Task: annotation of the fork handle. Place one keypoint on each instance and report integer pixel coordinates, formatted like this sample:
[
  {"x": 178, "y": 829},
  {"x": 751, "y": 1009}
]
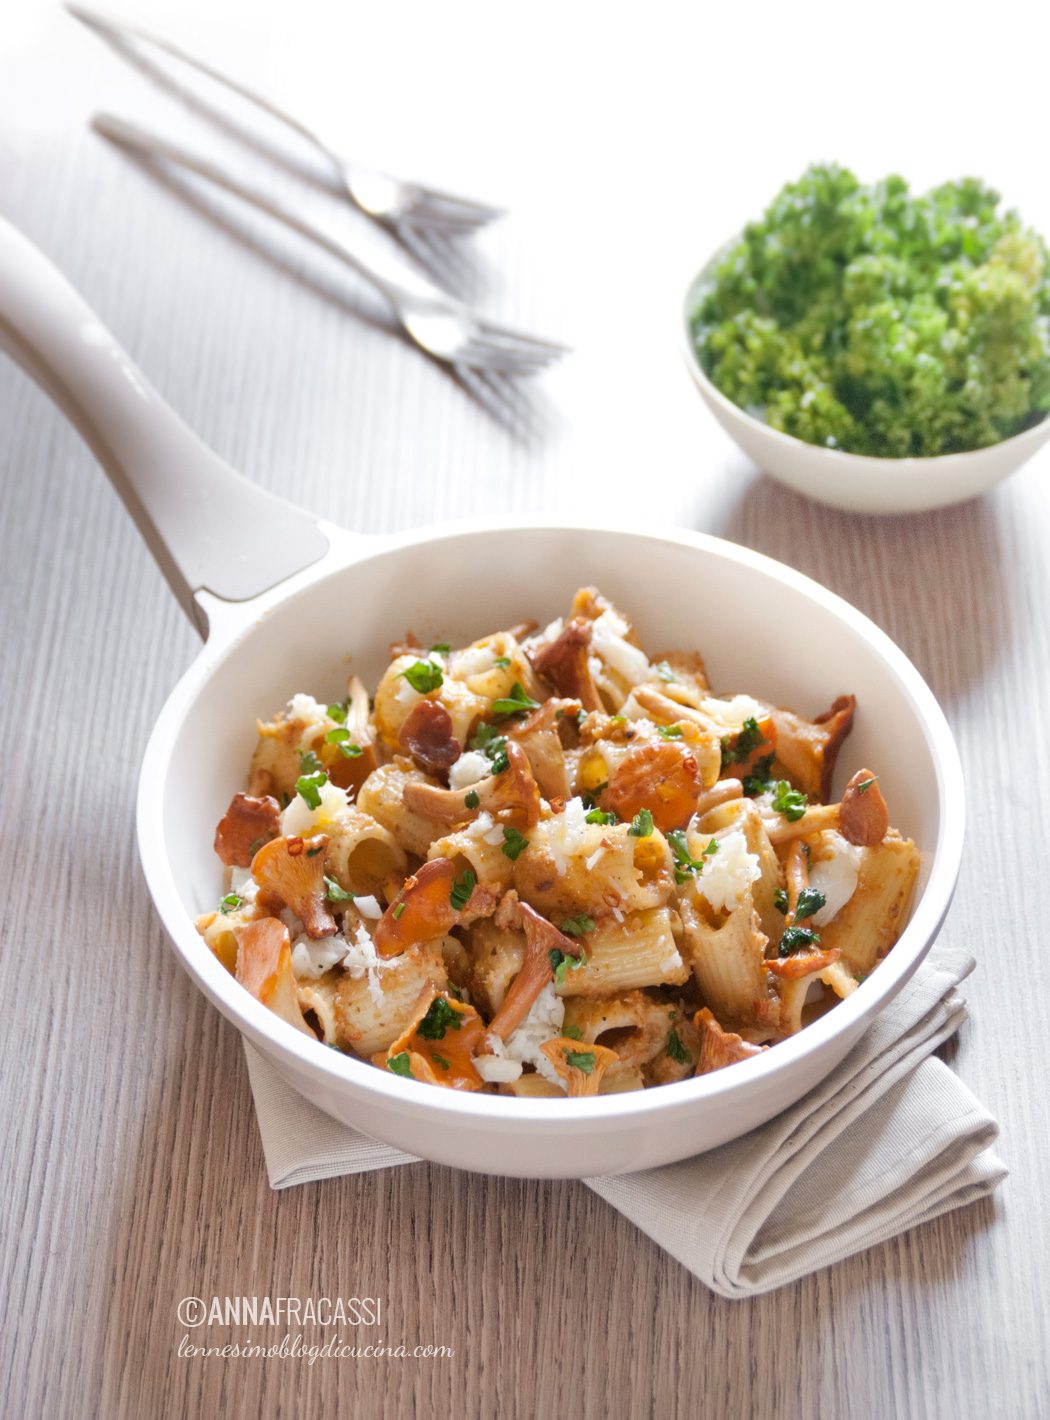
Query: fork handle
[{"x": 389, "y": 273}]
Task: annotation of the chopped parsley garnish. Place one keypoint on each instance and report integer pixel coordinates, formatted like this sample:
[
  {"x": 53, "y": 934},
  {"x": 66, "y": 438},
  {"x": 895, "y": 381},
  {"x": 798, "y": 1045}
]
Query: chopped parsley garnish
[
  {"x": 400, "y": 1064},
  {"x": 337, "y": 713},
  {"x": 686, "y": 865},
  {"x": 313, "y": 852},
  {"x": 308, "y": 787},
  {"x": 583, "y": 1060},
  {"x": 676, "y": 1050},
  {"x": 738, "y": 748},
  {"x": 758, "y": 783},
  {"x": 669, "y": 732},
  {"x": 664, "y": 671},
  {"x": 578, "y": 925},
  {"x": 780, "y": 899},
  {"x": 562, "y": 964},
  {"x": 514, "y": 843},
  {"x": 230, "y": 903},
  {"x": 399, "y": 908},
  {"x": 863, "y": 788},
  {"x": 641, "y": 824},
  {"x": 601, "y": 816},
  {"x": 462, "y": 888},
  {"x": 424, "y": 676},
  {"x": 502, "y": 662},
  {"x": 488, "y": 740},
  {"x": 439, "y": 1017},
  {"x": 341, "y": 739},
  {"x": 516, "y": 703},
  {"x": 442, "y": 648},
  {"x": 472, "y": 800},
  {"x": 617, "y": 720},
  {"x": 440, "y": 1060},
  {"x": 787, "y": 801},
  {"x": 308, "y": 762},
  {"x": 810, "y": 900},
  {"x": 335, "y": 893},
  {"x": 573, "y": 1032},
  {"x": 795, "y": 938},
  {"x": 590, "y": 797}
]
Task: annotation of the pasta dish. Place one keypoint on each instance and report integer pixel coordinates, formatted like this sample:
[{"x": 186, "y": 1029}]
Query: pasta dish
[{"x": 544, "y": 864}]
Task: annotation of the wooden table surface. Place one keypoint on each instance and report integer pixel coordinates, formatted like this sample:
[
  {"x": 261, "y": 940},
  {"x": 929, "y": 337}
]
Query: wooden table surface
[{"x": 628, "y": 144}]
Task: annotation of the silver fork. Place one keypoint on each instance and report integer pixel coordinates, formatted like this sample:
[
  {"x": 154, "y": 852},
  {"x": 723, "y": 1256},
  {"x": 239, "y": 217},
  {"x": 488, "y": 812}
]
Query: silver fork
[
  {"x": 390, "y": 200},
  {"x": 439, "y": 324}
]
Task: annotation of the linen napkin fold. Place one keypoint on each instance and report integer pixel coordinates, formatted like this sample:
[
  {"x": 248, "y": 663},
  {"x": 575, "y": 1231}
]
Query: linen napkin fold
[{"x": 890, "y": 1139}]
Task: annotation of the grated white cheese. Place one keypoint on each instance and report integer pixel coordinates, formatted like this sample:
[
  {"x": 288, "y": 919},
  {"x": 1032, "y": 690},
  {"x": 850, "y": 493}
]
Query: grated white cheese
[
  {"x": 312, "y": 959},
  {"x": 729, "y": 872},
  {"x": 311, "y": 714},
  {"x": 299, "y": 819},
  {"x": 836, "y": 877},
  {"x": 362, "y": 959},
  {"x": 608, "y": 640},
  {"x": 468, "y": 769},
  {"x": 569, "y": 835},
  {"x": 593, "y": 859},
  {"x": 243, "y": 884},
  {"x": 497, "y": 1069},
  {"x": 733, "y": 712},
  {"x": 544, "y": 1022},
  {"x": 368, "y": 907},
  {"x": 550, "y": 633},
  {"x": 474, "y": 660},
  {"x": 486, "y": 829}
]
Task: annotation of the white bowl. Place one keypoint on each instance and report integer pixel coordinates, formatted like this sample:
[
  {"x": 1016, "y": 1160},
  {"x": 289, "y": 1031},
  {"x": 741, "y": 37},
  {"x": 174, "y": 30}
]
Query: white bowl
[
  {"x": 741, "y": 609},
  {"x": 857, "y": 482}
]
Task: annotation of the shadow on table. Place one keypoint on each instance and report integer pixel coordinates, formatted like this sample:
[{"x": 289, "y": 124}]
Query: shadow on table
[{"x": 933, "y": 581}]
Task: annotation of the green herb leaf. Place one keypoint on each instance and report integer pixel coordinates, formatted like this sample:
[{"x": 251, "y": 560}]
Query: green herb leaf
[
  {"x": 398, "y": 910},
  {"x": 230, "y": 903},
  {"x": 581, "y": 1060},
  {"x": 578, "y": 925},
  {"x": 641, "y": 824},
  {"x": 400, "y": 1064},
  {"x": 309, "y": 763},
  {"x": 758, "y": 783},
  {"x": 462, "y": 887},
  {"x": 863, "y": 788},
  {"x": 664, "y": 671},
  {"x": 810, "y": 900},
  {"x": 341, "y": 739},
  {"x": 337, "y": 713},
  {"x": 440, "y": 1060},
  {"x": 424, "y": 676},
  {"x": 562, "y": 963},
  {"x": 502, "y": 662},
  {"x": 488, "y": 740},
  {"x": 787, "y": 801},
  {"x": 336, "y": 893},
  {"x": 686, "y": 865},
  {"x": 516, "y": 703},
  {"x": 472, "y": 800},
  {"x": 600, "y": 816},
  {"x": 669, "y": 732},
  {"x": 573, "y": 1032},
  {"x": 514, "y": 843},
  {"x": 443, "y": 648},
  {"x": 739, "y": 747},
  {"x": 676, "y": 1050},
  {"x": 780, "y": 899},
  {"x": 439, "y": 1018},
  {"x": 590, "y": 798},
  {"x": 795, "y": 938},
  {"x": 308, "y": 787}
]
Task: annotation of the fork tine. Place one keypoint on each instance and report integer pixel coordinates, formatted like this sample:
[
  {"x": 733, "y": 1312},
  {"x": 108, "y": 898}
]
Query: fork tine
[
  {"x": 457, "y": 209},
  {"x": 482, "y": 355},
  {"x": 519, "y": 340}
]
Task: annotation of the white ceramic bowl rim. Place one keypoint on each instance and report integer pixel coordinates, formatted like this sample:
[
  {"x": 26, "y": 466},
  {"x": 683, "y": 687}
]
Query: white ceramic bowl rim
[
  {"x": 937, "y": 465},
  {"x": 402, "y": 1095}
]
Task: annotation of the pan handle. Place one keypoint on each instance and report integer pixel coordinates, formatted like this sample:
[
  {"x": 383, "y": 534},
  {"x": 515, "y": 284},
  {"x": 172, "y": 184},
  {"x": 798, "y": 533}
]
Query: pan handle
[{"x": 208, "y": 528}]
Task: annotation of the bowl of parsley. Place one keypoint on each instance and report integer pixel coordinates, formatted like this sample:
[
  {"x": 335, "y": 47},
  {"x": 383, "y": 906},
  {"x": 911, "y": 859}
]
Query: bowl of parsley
[{"x": 878, "y": 350}]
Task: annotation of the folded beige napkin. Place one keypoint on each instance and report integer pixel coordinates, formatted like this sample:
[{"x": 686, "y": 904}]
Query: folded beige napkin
[{"x": 890, "y": 1139}]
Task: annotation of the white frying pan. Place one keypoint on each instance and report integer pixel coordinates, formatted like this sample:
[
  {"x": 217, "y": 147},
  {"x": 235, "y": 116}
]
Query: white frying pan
[{"x": 282, "y": 600}]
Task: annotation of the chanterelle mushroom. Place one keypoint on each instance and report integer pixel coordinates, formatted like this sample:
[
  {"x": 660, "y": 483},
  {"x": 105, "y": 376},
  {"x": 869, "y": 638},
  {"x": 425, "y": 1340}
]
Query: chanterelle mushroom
[
  {"x": 245, "y": 826},
  {"x": 662, "y": 776},
  {"x": 512, "y": 796},
  {"x": 290, "y": 873},
  {"x": 439, "y": 1042},
  {"x": 430, "y": 903},
  {"x": 541, "y": 938},
  {"x": 264, "y": 967},
  {"x": 863, "y": 815},
  {"x": 565, "y": 663},
  {"x": 580, "y": 1064},
  {"x": 719, "y": 1047}
]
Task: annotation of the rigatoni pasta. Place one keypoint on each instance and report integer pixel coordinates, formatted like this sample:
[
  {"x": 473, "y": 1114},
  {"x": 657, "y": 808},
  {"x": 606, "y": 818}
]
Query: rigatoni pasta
[{"x": 547, "y": 863}]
